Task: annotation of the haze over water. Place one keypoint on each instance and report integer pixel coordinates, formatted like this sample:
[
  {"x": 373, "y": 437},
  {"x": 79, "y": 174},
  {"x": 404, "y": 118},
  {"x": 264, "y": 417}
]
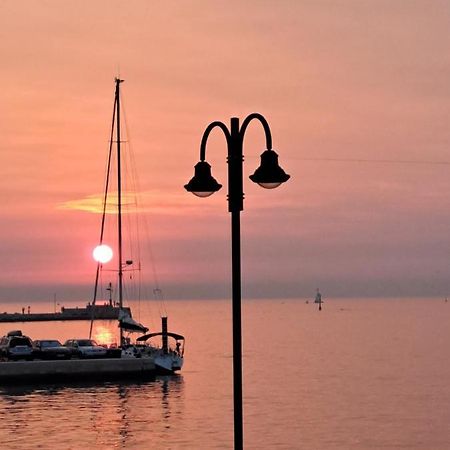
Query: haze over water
[{"x": 360, "y": 374}]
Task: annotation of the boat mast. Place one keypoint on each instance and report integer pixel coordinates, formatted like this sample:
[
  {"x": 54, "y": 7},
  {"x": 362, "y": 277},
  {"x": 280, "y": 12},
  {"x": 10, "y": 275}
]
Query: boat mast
[
  {"x": 119, "y": 200},
  {"x": 105, "y": 201}
]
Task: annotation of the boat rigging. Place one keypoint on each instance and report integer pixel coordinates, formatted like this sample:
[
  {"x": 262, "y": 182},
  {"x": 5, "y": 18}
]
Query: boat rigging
[{"x": 166, "y": 358}]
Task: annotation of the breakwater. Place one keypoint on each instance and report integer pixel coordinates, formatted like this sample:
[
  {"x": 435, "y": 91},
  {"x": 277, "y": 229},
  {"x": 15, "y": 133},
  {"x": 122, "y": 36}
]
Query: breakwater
[
  {"x": 90, "y": 312},
  {"x": 76, "y": 369}
]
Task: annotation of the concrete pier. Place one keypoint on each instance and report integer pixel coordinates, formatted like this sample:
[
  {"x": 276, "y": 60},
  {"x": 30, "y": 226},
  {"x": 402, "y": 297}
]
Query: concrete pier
[
  {"x": 76, "y": 370},
  {"x": 96, "y": 312}
]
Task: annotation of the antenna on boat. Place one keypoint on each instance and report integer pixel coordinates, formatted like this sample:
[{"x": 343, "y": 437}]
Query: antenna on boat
[{"x": 110, "y": 289}]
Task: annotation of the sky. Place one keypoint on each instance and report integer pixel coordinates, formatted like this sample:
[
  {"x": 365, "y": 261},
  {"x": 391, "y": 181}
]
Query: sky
[{"x": 357, "y": 96}]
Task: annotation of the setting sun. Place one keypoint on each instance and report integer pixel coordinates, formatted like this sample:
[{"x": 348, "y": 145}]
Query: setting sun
[{"x": 102, "y": 253}]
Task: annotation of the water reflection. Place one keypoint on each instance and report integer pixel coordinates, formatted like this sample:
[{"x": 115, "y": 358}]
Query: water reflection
[{"x": 107, "y": 415}]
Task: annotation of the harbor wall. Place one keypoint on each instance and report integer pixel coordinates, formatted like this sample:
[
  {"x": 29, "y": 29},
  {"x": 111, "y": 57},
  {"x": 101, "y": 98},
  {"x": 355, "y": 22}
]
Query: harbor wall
[
  {"x": 76, "y": 370},
  {"x": 95, "y": 313}
]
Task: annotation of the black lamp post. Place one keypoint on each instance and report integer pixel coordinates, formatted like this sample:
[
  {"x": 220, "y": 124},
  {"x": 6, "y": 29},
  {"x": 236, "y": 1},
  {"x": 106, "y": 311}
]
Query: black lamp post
[{"x": 268, "y": 175}]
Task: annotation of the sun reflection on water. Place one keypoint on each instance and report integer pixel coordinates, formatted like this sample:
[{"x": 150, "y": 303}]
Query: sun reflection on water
[{"x": 104, "y": 336}]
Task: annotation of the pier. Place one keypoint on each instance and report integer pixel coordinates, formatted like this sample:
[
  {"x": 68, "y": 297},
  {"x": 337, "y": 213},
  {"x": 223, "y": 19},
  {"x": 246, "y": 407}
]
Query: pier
[
  {"x": 90, "y": 312},
  {"x": 76, "y": 369}
]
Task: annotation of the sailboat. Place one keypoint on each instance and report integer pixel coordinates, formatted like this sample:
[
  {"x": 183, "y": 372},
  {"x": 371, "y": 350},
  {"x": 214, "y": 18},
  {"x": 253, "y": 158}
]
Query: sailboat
[
  {"x": 318, "y": 299},
  {"x": 167, "y": 358}
]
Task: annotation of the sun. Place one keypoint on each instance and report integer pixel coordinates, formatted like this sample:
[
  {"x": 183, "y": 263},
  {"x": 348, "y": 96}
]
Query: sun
[{"x": 102, "y": 253}]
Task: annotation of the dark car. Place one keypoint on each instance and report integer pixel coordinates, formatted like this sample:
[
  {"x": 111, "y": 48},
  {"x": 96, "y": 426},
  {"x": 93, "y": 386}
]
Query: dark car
[
  {"x": 51, "y": 349},
  {"x": 15, "y": 346}
]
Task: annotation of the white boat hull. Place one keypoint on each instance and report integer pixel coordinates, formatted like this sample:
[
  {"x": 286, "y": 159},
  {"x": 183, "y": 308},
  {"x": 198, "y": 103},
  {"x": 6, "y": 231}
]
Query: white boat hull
[
  {"x": 164, "y": 362},
  {"x": 169, "y": 362}
]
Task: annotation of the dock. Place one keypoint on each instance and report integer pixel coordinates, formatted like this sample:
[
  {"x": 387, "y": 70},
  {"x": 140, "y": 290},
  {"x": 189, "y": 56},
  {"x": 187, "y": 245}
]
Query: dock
[
  {"x": 90, "y": 312},
  {"x": 76, "y": 370}
]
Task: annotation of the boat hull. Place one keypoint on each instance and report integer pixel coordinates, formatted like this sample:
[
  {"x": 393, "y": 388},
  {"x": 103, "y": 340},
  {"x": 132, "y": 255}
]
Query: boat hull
[
  {"x": 169, "y": 363},
  {"x": 164, "y": 362}
]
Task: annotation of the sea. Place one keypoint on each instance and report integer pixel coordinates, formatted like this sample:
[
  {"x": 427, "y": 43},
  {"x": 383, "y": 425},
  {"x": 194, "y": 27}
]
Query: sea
[{"x": 359, "y": 374}]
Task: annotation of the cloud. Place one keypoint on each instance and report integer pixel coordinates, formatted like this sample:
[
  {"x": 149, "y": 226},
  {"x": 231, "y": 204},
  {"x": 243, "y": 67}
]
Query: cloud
[
  {"x": 94, "y": 203},
  {"x": 154, "y": 202}
]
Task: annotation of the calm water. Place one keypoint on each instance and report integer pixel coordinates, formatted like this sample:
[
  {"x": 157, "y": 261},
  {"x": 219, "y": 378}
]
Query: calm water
[{"x": 360, "y": 374}]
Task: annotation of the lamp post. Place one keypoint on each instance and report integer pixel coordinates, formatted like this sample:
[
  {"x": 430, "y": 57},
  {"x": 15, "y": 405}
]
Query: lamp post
[{"x": 269, "y": 175}]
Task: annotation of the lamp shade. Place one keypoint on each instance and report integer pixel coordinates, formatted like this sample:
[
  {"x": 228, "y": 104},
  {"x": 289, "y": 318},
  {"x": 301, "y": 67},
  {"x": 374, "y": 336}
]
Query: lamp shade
[
  {"x": 202, "y": 184},
  {"x": 269, "y": 174}
]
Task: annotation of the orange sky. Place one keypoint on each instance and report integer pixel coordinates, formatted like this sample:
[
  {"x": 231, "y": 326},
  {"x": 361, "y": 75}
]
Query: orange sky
[{"x": 356, "y": 80}]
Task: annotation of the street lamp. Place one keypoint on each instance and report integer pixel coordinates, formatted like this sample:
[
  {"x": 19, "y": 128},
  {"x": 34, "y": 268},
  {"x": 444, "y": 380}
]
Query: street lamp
[{"x": 268, "y": 175}]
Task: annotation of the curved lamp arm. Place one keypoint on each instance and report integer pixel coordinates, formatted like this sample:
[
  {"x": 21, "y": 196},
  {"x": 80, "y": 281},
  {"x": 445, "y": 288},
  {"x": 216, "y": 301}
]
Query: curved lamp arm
[
  {"x": 208, "y": 130},
  {"x": 263, "y": 122}
]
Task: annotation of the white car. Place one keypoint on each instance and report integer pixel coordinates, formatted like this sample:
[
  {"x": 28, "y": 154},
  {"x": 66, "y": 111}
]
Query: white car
[
  {"x": 85, "y": 348},
  {"x": 15, "y": 346}
]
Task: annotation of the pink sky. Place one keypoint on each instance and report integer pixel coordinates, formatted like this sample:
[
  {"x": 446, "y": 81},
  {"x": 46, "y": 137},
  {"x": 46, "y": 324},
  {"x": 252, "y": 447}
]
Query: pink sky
[{"x": 356, "y": 80}]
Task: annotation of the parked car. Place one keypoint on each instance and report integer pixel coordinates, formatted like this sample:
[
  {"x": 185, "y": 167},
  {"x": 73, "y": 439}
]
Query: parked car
[
  {"x": 15, "y": 346},
  {"x": 85, "y": 348},
  {"x": 51, "y": 349}
]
